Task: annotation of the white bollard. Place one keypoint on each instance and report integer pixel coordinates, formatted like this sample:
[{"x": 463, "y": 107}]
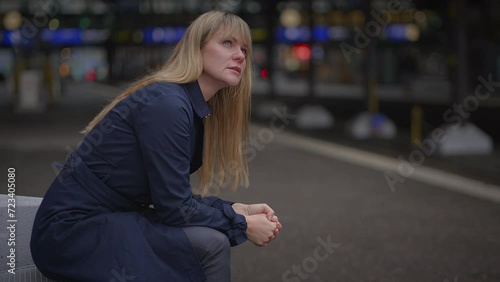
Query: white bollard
[{"x": 32, "y": 95}]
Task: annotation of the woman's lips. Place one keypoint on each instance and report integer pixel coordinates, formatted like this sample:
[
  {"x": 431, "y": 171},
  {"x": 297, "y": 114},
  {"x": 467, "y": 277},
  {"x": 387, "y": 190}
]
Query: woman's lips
[{"x": 236, "y": 69}]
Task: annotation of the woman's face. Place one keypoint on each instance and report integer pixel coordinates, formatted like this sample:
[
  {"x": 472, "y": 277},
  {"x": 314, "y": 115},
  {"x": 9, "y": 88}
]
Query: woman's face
[{"x": 224, "y": 60}]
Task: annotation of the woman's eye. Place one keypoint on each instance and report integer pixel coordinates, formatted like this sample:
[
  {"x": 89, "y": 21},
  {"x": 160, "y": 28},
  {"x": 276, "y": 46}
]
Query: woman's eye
[
  {"x": 244, "y": 51},
  {"x": 227, "y": 42}
]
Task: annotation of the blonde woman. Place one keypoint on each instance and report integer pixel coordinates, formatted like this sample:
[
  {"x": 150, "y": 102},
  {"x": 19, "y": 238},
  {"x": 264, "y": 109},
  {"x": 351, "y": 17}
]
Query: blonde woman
[{"x": 122, "y": 207}]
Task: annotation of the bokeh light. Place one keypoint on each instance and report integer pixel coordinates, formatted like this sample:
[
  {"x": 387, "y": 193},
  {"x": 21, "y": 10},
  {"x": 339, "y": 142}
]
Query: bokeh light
[
  {"x": 12, "y": 20},
  {"x": 301, "y": 52},
  {"x": 420, "y": 17},
  {"x": 90, "y": 75},
  {"x": 290, "y": 18},
  {"x": 64, "y": 70},
  {"x": 65, "y": 53},
  {"x": 264, "y": 73},
  {"x": 412, "y": 32},
  {"x": 54, "y": 24},
  {"x": 85, "y": 23},
  {"x": 138, "y": 36}
]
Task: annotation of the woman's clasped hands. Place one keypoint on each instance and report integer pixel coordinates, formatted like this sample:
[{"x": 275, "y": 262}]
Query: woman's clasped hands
[{"x": 262, "y": 224}]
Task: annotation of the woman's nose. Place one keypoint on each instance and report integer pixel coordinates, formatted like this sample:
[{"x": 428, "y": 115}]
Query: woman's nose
[{"x": 239, "y": 55}]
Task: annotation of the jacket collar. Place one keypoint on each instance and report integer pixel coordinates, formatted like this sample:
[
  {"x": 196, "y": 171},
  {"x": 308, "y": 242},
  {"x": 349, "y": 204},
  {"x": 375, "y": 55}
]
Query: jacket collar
[{"x": 197, "y": 100}]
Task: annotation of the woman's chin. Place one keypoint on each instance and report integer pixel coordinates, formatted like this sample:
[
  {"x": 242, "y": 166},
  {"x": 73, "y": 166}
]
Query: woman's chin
[{"x": 233, "y": 83}]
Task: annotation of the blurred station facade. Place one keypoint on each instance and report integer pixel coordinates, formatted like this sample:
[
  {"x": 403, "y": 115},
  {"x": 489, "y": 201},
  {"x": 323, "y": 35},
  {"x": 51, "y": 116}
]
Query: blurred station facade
[{"x": 413, "y": 64}]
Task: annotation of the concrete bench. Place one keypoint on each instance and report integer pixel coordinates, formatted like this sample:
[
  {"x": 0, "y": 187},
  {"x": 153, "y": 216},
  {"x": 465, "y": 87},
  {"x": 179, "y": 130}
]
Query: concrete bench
[{"x": 18, "y": 231}]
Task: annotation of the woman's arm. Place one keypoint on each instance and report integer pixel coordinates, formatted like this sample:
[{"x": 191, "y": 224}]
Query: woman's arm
[
  {"x": 212, "y": 201},
  {"x": 163, "y": 131}
]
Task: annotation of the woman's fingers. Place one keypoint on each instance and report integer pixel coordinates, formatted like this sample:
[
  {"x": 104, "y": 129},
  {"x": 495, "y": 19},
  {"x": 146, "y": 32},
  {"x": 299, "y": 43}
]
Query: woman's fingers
[
  {"x": 262, "y": 208},
  {"x": 278, "y": 225},
  {"x": 264, "y": 230},
  {"x": 260, "y": 230}
]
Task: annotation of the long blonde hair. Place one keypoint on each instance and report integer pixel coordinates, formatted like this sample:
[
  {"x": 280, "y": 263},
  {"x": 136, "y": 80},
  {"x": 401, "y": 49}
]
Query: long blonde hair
[{"x": 226, "y": 129}]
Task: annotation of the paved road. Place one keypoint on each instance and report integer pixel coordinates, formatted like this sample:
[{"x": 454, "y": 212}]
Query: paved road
[
  {"x": 341, "y": 221},
  {"x": 417, "y": 233}
]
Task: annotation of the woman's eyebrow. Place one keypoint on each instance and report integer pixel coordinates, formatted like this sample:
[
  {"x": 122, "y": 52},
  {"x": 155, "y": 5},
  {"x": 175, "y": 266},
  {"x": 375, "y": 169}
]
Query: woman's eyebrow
[{"x": 236, "y": 40}]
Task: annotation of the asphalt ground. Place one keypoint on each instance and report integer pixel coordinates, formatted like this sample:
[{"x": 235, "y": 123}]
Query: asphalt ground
[{"x": 342, "y": 221}]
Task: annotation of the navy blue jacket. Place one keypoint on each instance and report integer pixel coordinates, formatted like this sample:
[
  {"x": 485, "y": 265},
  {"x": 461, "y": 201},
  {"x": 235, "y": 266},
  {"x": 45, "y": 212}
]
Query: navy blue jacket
[{"x": 117, "y": 206}]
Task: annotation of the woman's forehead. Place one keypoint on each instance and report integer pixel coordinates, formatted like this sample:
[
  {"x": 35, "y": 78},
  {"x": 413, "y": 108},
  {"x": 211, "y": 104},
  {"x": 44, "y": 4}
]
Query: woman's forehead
[{"x": 232, "y": 32}]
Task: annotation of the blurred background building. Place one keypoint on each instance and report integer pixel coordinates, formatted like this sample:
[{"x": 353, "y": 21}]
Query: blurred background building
[{"x": 410, "y": 63}]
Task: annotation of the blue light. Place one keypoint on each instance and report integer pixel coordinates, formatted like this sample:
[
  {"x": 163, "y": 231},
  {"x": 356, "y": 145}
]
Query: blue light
[
  {"x": 7, "y": 38},
  {"x": 169, "y": 35},
  {"x": 299, "y": 34},
  {"x": 396, "y": 32},
  {"x": 15, "y": 39},
  {"x": 320, "y": 34},
  {"x": 338, "y": 33},
  {"x": 63, "y": 36}
]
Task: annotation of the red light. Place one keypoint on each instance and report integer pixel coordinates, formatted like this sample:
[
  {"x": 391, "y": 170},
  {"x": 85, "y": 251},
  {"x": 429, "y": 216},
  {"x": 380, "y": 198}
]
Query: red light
[
  {"x": 90, "y": 75},
  {"x": 302, "y": 52},
  {"x": 263, "y": 74}
]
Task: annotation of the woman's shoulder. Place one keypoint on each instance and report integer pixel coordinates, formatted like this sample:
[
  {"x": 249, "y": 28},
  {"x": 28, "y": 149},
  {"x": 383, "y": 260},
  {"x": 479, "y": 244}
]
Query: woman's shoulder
[
  {"x": 163, "y": 98},
  {"x": 160, "y": 90},
  {"x": 160, "y": 94}
]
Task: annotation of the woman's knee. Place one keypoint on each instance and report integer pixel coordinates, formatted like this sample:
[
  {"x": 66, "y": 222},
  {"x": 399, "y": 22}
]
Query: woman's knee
[
  {"x": 219, "y": 241},
  {"x": 208, "y": 240}
]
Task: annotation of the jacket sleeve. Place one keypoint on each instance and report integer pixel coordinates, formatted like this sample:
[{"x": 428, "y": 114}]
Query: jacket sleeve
[
  {"x": 163, "y": 130},
  {"x": 212, "y": 201}
]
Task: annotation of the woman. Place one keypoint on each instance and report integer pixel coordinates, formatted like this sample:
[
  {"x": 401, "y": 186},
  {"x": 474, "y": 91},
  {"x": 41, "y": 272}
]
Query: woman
[{"x": 122, "y": 208}]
